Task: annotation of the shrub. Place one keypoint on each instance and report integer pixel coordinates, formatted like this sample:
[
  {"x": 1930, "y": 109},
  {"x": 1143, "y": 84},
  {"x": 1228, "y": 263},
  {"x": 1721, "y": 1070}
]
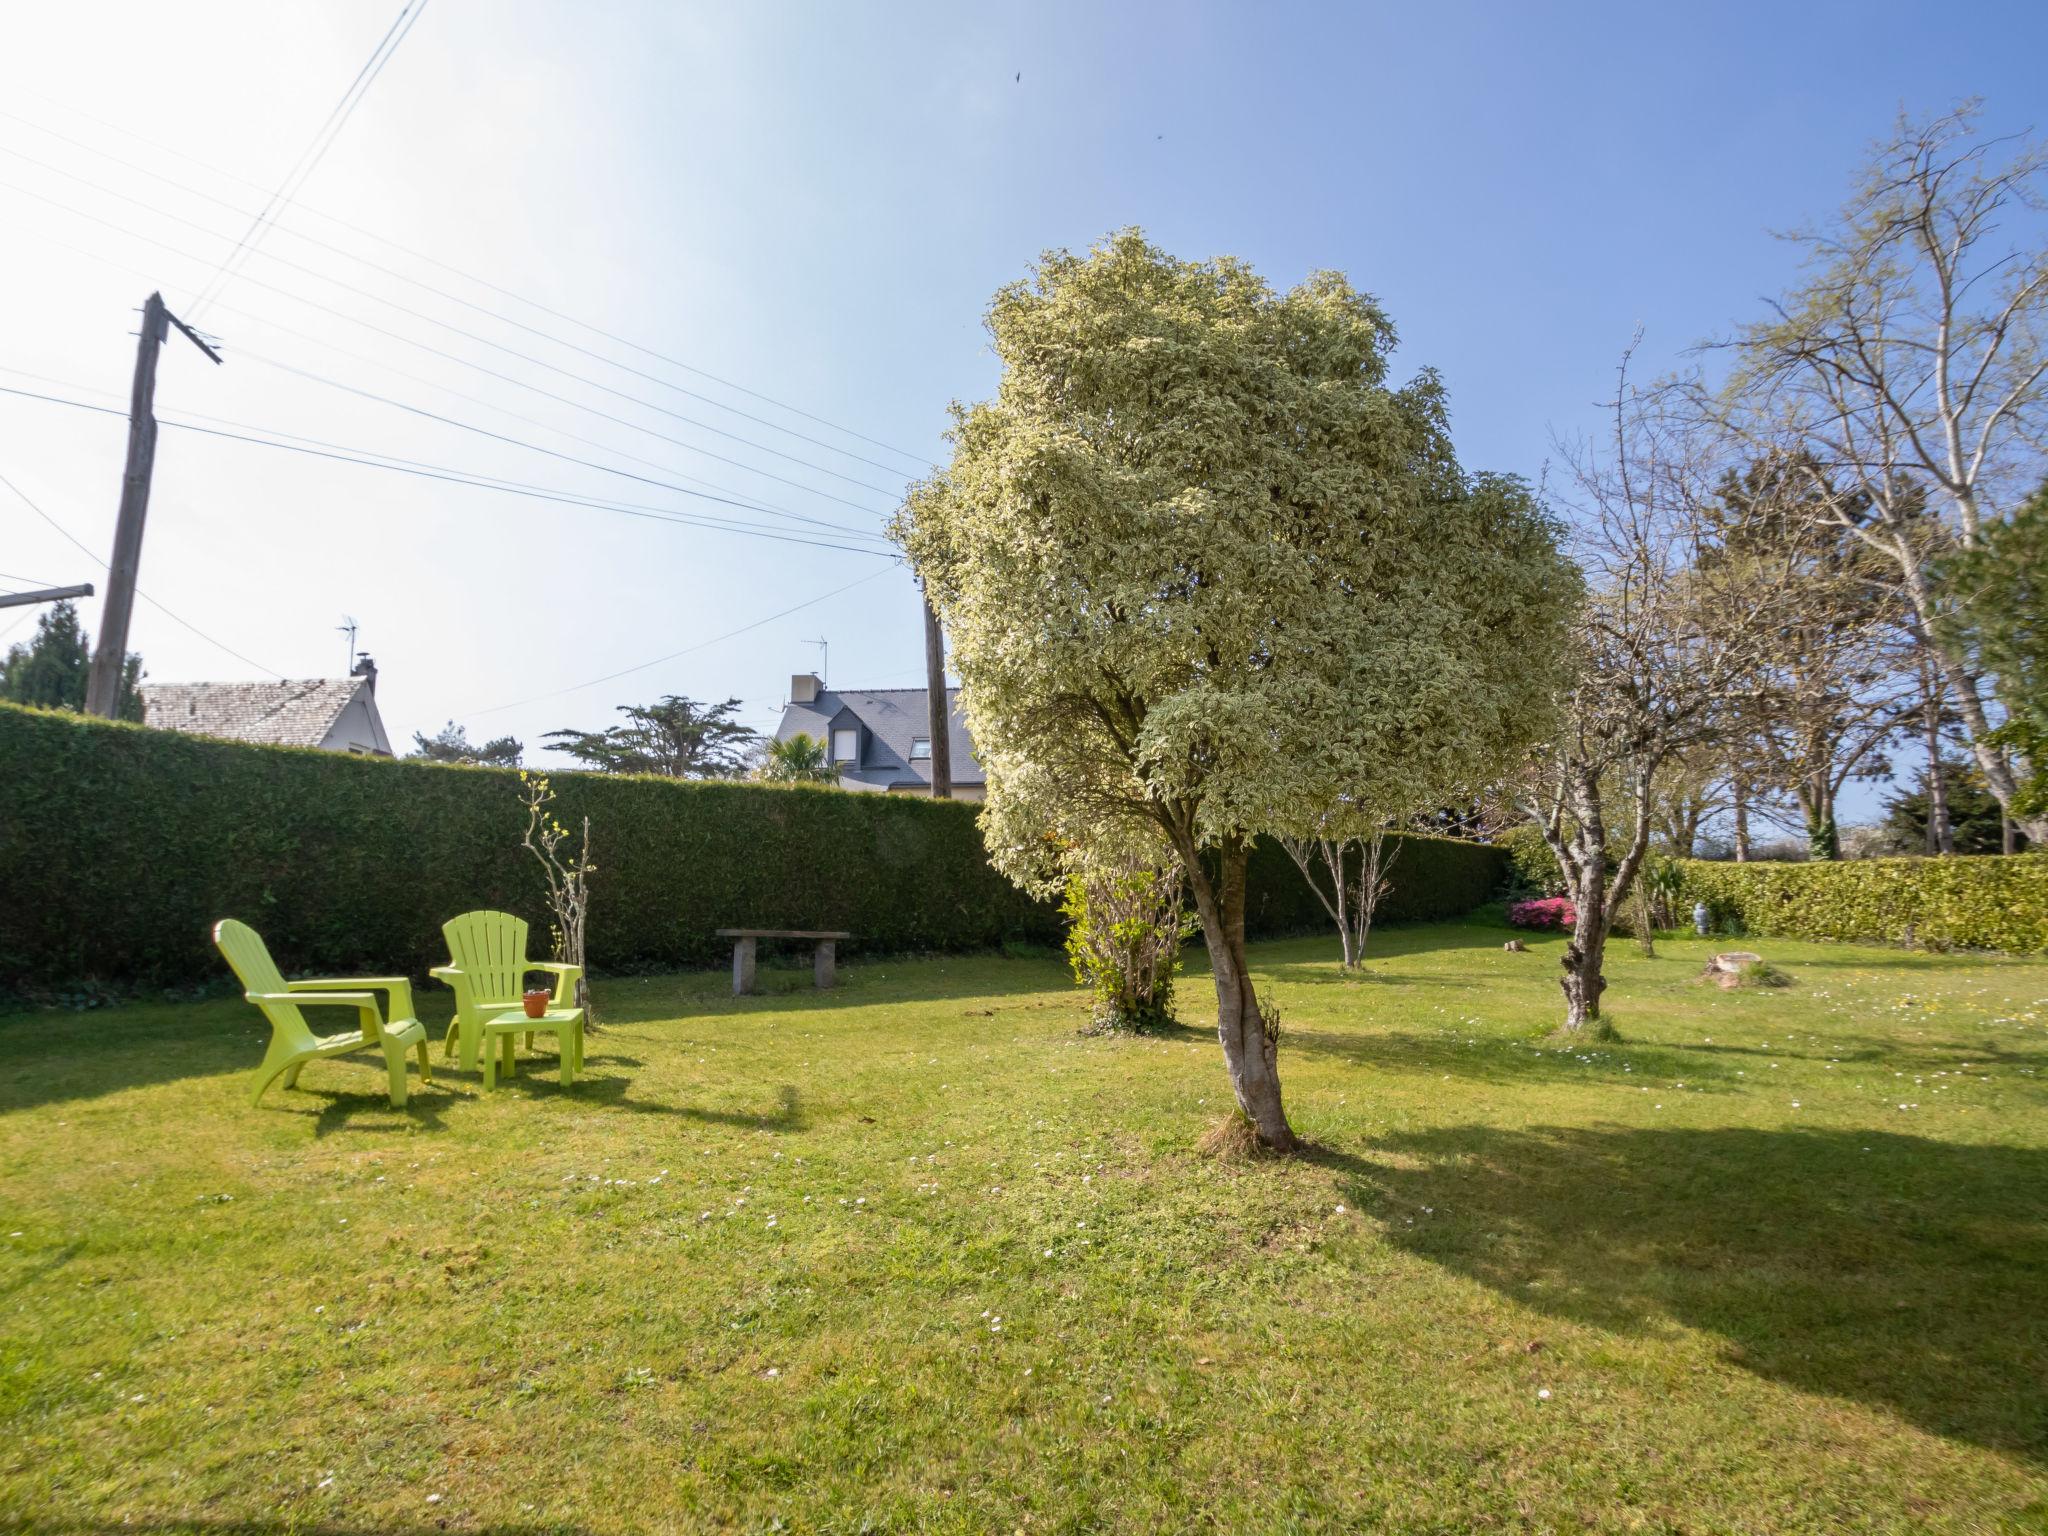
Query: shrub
[
  {"x": 1543, "y": 912},
  {"x": 1532, "y": 869},
  {"x": 1128, "y": 926},
  {"x": 1980, "y": 902}
]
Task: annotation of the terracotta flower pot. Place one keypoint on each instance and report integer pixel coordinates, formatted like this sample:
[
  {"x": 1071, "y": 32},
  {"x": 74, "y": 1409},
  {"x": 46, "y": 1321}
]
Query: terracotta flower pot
[{"x": 536, "y": 1003}]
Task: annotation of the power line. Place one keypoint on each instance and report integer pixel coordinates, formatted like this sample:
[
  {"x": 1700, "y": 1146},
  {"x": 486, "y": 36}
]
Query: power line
[
  {"x": 739, "y": 498},
  {"x": 495, "y": 346},
  {"x": 314, "y": 152},
  {"x": 29, "y": 502},
  {"x": 552, "y": 453},
  {"x": 273, "y": 437},
  {"x": 811, "y": 602},
  {"x": 378, "y": 459},
  {"x": 483, "y": 482},
  {"x": 405, "y": 250},
  {"x": 442, "y": 293}
]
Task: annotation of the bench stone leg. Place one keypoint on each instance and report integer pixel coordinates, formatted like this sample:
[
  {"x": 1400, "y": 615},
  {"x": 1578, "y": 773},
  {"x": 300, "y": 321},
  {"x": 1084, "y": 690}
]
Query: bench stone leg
[
  {"x": 823, "y": 967},
  {"x": 742, "y": 967}
]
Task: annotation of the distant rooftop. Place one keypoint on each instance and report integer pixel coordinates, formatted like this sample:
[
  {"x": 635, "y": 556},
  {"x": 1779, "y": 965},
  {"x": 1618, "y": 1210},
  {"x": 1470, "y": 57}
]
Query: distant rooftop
[{"x": 305, "y": 712}]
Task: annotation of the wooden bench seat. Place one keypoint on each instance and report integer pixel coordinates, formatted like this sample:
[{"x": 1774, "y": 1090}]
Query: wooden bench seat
[{"x": 824, "y": 953}]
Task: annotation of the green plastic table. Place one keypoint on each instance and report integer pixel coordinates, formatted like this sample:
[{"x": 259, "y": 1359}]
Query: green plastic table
[{"x": 565, "y": 1024}]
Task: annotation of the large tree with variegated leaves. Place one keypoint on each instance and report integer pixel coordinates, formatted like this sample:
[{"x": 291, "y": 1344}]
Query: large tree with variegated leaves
[{"x": 1207, "y": 575}]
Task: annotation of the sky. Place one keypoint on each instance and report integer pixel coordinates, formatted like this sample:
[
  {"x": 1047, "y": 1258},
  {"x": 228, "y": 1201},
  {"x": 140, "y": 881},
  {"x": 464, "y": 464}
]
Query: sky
[{"x": 627, "y": 252}]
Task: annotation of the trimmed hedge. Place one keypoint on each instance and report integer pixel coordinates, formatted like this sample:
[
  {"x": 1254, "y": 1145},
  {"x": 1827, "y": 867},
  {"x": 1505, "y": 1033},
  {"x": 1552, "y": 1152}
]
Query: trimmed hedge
[
  {"x": 1979, "y": 902},
  {"x": 120, "y": 847}
]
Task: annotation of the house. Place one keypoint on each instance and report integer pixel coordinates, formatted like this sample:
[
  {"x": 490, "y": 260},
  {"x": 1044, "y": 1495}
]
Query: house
[
  {"x": 335, "y": 714},
  {"x": 880, "y": 738}
]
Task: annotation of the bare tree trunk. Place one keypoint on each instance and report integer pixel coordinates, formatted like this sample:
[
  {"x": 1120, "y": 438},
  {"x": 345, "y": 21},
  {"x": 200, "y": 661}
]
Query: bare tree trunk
[
  {"x": 1250, "y": 1047},
  {"x": 1644, "y": 919},
  {"x": 1333, "y": 855},
  {"x": 1741, "y": 792},
  {"x": 1953, "y": 677},
  {"x": 1373, "y": 885},
  {"x": 1583, "y": 981},
  {"x": 1941, "y": 837}
]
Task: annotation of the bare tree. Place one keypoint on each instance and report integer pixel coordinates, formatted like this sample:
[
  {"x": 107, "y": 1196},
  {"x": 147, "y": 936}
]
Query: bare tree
[
  {"x": 567, "y": 871},
  {"x": 1830, "y": 693},
  {"x": 1669, "y": 633},
  {"x": 1911, "y": 371},
  {"x": 1358, "y": 881}
]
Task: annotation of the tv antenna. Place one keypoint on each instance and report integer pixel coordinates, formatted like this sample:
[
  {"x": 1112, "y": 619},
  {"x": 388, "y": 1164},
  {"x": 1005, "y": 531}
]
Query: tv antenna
[
  {"x": 824, "y": 660},
  {"x": 347, "y": 626}
]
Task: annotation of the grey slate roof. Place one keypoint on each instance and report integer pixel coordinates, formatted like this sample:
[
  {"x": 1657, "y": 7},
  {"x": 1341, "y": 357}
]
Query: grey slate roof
[
  {"x": 891, "y": 717},
  {"x": 291, "y": 713}
]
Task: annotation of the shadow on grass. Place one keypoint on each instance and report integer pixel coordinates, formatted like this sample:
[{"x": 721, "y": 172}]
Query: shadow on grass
[
  {"x": 1903, "y": 1273},
  {"x": 1487, "y": 1058},
  {"x": 538, "y": 1080},
  {"x": 54, "y": 1057}
]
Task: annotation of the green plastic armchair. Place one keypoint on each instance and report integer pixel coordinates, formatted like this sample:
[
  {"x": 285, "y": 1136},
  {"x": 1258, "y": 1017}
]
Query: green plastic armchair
[
  {"x": 487, "y": 967},
  {"x": 392, "y": 1029}
]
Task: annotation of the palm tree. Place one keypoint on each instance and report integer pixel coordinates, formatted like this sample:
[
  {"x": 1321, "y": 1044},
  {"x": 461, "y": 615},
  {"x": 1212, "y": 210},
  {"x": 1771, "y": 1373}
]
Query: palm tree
[{"x": 799, "y": 760}]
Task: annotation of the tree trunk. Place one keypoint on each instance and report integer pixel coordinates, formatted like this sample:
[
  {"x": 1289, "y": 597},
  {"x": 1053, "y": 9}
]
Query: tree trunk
[
  {"x": 1250, "y": 1049},
  {"x": 1582, "y": 981},
  {"x": 1334, "y": 855},
  {"x": 1823, "y": 838},
  {"x": 1953, "y": 677},
  {"x": 1940, "y": 834},
  {"x": 1741, "y": 822}
]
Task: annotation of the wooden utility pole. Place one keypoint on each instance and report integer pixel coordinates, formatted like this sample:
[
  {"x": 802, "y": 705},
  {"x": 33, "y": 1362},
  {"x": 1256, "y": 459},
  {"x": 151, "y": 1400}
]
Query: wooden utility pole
[
  {"x": 103, "y": 684},
  {"x": 941, "y": 713}
]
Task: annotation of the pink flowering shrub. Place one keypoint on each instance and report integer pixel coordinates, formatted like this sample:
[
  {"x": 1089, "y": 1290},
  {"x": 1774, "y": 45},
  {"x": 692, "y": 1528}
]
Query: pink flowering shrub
[{"x": 1544, "y": 912}]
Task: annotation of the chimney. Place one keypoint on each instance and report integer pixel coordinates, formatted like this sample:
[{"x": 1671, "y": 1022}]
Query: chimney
[
  {"x": 804, "y": 688},
  {"x": 366, "y": 669}
]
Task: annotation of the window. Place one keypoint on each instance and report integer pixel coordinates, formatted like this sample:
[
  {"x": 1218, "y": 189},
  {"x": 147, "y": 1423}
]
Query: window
[
  {"x": 846, "y": 745},
  {"x": 920, "y": 749}
]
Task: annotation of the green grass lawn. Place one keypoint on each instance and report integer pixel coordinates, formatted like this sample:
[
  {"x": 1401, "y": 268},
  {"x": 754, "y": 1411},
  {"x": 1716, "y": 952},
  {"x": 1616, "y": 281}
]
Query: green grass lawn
[{"x": 917, "y": 1256}]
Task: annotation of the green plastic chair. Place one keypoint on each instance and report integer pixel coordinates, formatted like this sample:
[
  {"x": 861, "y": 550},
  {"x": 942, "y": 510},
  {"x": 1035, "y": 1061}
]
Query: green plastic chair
[
  {"x": 487, "y": 967},
  {"x": 292, "y": 1041}
]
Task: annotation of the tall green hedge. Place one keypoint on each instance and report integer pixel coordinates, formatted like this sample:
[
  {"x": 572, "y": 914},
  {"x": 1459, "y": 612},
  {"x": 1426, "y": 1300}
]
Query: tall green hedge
[
  {"x": 1433, "y": 878},
  {"x": 120, "y": 846},
  {"x": 1981, "y": 902}
]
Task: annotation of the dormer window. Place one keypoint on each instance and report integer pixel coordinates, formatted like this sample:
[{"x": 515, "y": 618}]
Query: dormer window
[
  {"x": 846, "y": 745},
  {"x": 920, "y": 749}
]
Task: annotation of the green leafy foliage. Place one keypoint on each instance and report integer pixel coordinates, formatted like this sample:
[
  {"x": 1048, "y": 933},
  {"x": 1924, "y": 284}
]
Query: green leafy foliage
[
  {"x": 120, "y": 847},
  {"x": 1126, "y": 928},
  {"x": 452, "y": 745},
  {"x": 672, "y": 738},
  {"x": 801, "y": 759},
  {"x": 1532, "y": 869},
  {"x": 1951, "y": 903},
  {"x": 51, "y": 668},
  {"x": 1997, "y": 593},
  {"x": 1975, "y": 819}
]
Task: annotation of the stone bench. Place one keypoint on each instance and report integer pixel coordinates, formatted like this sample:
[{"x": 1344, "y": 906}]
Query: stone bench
[{"x": 824, "y": 955}]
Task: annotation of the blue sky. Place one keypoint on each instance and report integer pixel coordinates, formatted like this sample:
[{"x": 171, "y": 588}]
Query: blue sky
[{"x": 815, "y": 201}]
